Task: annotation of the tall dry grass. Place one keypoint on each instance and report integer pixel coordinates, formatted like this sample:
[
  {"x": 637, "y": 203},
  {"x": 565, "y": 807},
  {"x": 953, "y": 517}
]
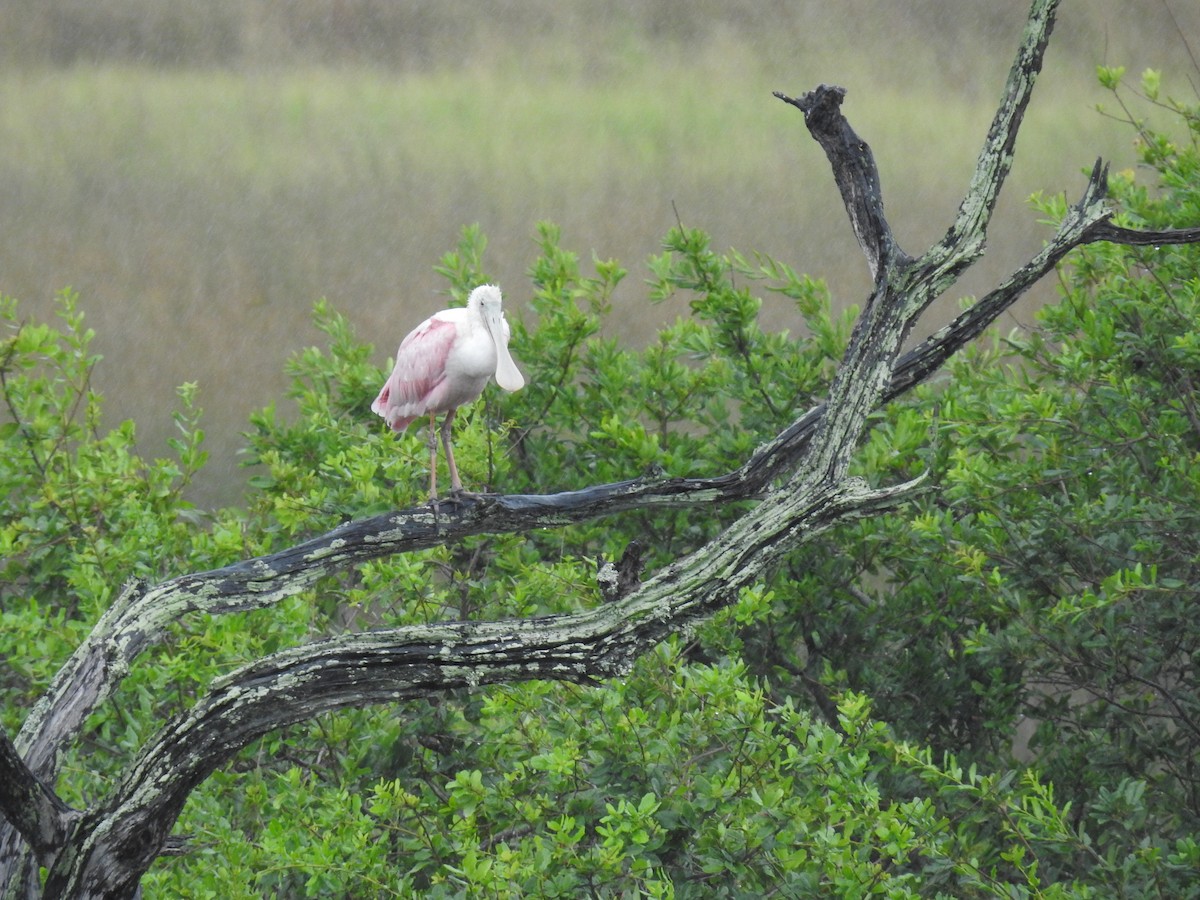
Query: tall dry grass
[{"x": 202, "y": 209}]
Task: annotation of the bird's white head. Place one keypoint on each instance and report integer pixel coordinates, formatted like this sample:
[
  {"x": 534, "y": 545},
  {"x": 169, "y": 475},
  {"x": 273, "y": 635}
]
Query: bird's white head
[{"x": 486, "y": 300}]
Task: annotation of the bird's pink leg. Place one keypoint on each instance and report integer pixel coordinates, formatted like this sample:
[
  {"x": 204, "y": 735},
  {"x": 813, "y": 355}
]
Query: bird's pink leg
[
  {"x": 433, "y": 458},
  {"x": 455, "y": 481}
]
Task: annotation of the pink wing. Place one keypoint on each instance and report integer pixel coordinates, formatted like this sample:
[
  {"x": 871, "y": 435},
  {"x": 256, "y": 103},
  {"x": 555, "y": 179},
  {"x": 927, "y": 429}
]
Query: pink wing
[{"x": 420, "y": 368}]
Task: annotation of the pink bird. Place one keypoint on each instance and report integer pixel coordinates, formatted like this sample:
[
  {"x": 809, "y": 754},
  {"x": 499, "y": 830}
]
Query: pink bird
[{"x": 445, "y": 362}]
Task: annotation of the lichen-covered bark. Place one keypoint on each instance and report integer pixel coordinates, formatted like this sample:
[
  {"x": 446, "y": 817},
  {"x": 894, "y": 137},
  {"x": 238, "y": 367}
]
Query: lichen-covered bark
[
  {"x": 799, "y": 478},
  {"x": 387, "y": 666}
]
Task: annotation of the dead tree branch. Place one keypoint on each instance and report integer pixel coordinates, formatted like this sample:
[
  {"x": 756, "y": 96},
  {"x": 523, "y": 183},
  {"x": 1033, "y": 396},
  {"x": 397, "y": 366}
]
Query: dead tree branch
[{"x": 799, "y": 479}]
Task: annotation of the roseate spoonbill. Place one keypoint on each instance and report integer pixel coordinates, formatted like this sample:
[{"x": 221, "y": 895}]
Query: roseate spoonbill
[{"x": 445, "y": 362}]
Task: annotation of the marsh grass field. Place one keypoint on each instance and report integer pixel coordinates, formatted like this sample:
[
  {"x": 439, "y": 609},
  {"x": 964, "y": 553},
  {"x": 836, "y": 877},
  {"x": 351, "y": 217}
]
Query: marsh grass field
[{"x": 200, "y": 208}]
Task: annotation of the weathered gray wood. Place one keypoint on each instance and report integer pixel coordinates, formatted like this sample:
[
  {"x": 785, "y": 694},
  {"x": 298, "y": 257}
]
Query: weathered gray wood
[
  {"x": 33, "y": 809},
  {"x": 855, "y": 173},
  {"x": 387, "y": 666},
  {"x": 799, "y": 480}
]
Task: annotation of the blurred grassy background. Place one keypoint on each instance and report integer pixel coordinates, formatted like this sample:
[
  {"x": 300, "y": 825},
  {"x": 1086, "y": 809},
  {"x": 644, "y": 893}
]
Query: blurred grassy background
[{"x": 202, "y": 173}]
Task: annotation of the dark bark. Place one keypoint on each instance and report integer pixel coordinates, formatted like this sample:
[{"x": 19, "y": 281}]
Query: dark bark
[
  {"x": 799, "y": 480},
  {"x": 32, "y": 808}
]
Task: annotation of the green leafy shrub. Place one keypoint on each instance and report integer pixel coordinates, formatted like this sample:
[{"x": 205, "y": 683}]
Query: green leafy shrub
[
  {"x": 1033, "y": 614},
  {"x": 849, "y": 728}
]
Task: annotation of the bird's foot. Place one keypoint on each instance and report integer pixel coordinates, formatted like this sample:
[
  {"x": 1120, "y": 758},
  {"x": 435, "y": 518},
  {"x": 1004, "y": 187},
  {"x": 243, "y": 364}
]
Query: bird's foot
[{"x": 453, "y": 500}]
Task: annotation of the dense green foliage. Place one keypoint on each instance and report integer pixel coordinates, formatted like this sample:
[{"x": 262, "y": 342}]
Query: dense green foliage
[{"x": 850, "y": 728}]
